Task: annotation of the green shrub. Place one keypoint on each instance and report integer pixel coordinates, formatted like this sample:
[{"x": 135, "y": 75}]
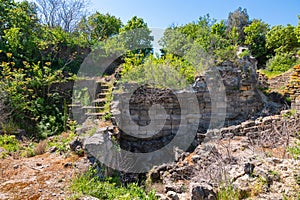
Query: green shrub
[
  {"x": 9, "y": 143},
  {"x": 90, "y": 184},
  {"x": 244, "y": 53},
  {"x": 281, "y": 62},
  {"x": 27, "y": 96},
  {"x": 228, "y": 192},
  {"x": 169, "y": 71},
  {"x": 225, "y": 54},
  {"x": 62, "y": 141}
]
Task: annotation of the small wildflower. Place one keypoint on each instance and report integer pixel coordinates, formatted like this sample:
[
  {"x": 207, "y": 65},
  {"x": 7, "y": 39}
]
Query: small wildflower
[
  {"x": 48, "y": 63},
  {"x": 9, "y": 55}
]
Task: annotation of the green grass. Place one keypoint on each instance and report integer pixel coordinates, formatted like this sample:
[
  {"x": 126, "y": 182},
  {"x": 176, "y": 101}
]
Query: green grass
[
  {"x": 295, "y": 151},
  {"x": 228, "y": 192},
  {"x": 90, "y": 184},
  {"x": 270, "y": 74}
]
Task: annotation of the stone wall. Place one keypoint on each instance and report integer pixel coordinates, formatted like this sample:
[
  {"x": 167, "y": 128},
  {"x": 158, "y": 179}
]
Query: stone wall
[
  {"x": 271, "y": 127},
  {"x": 293, "y": 88},
  {"x": 150, "y": 118}
]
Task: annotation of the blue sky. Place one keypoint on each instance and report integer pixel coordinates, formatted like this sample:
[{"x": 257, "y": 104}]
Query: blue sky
[{"x": 163, "y": 13}]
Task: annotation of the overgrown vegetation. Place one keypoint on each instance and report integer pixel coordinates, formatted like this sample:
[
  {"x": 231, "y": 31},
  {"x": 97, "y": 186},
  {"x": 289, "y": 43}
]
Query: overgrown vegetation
[
  {"x": 10, "y": 144},
  {"x": 33, "y": 106},
  {"x": 39, "y": 49},
  {"x": 110, "y": 188},
  {"x": 229, "y": 192}
]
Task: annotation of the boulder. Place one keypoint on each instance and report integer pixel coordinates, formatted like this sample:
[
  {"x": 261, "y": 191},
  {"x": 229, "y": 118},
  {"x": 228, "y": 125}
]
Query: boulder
[{"x": 202, "y": 191}]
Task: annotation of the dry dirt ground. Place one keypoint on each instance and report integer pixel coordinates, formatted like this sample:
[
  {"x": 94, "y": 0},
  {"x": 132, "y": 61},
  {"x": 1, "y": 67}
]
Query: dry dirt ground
[{"x": 46, "y": 176}]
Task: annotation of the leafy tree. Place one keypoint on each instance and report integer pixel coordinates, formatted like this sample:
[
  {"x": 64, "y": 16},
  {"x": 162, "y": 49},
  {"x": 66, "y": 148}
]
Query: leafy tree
[
  {"x": 136, "y": 36},
  {"x": 282, "y": 39},
  {"x": 297, "y": 30},
  {"x": 238, "y": 20},
  {"x": 281, "y": 62},
  {"x": 19, "y": 29},
  {"x": 62, "y": 49},
  {"x": 99, "y": 27},
  {"x": 219, "y": 28},
  {"x": 174, "y": 41},
  {"x": 33, "y": 106},
  {"x": 255, "y": 37}
]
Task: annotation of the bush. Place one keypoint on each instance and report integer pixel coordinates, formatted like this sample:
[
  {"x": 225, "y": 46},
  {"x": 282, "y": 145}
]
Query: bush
[
  {"x": 169, "y": 71},
  {"x": 27, "y": 96},
  {"x": 281, "y": 62},
  {"x": 9, "y": 143}
]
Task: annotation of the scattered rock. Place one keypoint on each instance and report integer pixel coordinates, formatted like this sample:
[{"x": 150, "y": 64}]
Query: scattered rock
[
  {"x": 39, "y": 164},
  {"x": 76, "y": 143},
  {"x": 68, "y": 164},
  {"x": 52, "y": 149},
  {"x": 202, "y": 191},
  {"x": 173, "y": 195},
  {"x": 248, "y": 168}
]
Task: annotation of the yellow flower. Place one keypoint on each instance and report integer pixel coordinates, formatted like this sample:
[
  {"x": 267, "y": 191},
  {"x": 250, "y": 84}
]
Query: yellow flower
[
  {"x": 48, "y": 63},
  {"x": 9, "y": 55}
]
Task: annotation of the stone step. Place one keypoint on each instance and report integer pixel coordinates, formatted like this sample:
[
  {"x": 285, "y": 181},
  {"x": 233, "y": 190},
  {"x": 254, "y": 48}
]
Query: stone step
[
  {"x": 102, "y": 100},
  {"x": 102, "y": 95},
  {"x": 104, "y": 90},
  {"x": 75, "y": 105},
  {"x": 94, "y": 114},
  {"x": 103, "y": 86},
  {"x": 92, "y": 107}
]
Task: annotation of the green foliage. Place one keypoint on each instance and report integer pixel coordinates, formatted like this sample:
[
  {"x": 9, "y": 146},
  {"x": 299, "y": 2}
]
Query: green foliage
[
  {"x": 27, "y": 94},
  {"x": 282, "y": 39},
  {"x": 255, "y": 37},
  {"x": 169, "y": 71},
  {"x": 294, "y": 151},
  {"x": 98, "y": 27},
  {"x": 297, "y": 30},
  {"x": 269, "y": 74},
  {"x": 244, "y": 54},
  {"x": 90, "y": 184},
  {"x": 9, "y": 127},
  {"x": 224, "y": 54},
  {"x": 62, "y": 141},
  {"x": 281, "y": 62},
  {"x": 9, "y": 143},
  {"x": 236, "y": 22},
  {"x": 18, "y": 28},
  {"x": 136, "y": 36},
  {"x": 82, "y": 96},
  {"x": 219, "y": 28},
  {"x": 228, "y": 192}
]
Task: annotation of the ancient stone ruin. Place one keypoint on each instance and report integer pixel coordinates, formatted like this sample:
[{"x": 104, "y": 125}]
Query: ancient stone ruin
[
  {"x": 293, "y": 88},
  {"x": 148, "y": 119}
]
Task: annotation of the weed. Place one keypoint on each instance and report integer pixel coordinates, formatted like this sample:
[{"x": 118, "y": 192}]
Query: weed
[
  {"x": 40, "y": 148},
  {"x": 62, "y": 141},
  {"x": 90, "y": 184},
  {"x": 228, "y": 192},
  {"x": 9, "y": 128},
  {"x": 10, "y": 144}
]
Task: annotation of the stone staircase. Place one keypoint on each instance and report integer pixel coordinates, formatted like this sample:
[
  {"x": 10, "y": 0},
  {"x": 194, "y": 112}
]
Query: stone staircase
[{"x": 96, "y": 109}]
